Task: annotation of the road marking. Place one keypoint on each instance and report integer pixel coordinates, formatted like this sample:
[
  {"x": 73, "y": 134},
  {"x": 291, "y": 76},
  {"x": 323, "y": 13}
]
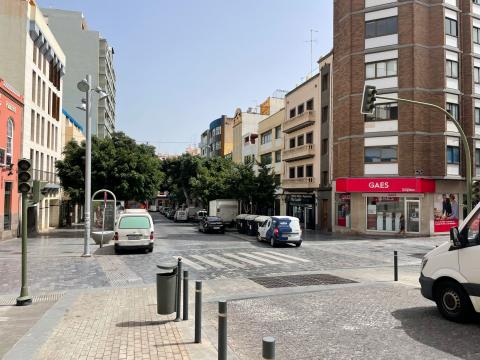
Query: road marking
[
  {"x": 248, "y": 261},
  {"x": 226, "y": 261},
  {"x": 260, "y": 258},
  {"x": 191, "y": 263},
  {"x": 207, "y": 261},
  {"x": 275, "y": 257},
  {"x": 288, "y": 256}
]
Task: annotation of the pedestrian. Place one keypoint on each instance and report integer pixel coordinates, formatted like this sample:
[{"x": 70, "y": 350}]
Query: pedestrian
[{"x": 402, "y": 225}]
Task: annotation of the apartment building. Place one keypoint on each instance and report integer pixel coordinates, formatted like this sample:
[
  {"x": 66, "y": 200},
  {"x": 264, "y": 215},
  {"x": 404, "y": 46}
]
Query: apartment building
[
  {"x": 220, "y": 137},
  {"x": 35, "y": 66},
  {"x": 405, "y": 160},
  {"x": 72, "y": 129},
  {"x": 270, "y": 146},
  {"x": 306, "y": 177},
  {"x": 203, "y": 145},
  {"x": 88, "y": 53}
]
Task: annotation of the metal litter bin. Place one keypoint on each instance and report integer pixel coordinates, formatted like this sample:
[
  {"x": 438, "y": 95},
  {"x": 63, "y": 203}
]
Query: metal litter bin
[{"x": 166, "y": 289}]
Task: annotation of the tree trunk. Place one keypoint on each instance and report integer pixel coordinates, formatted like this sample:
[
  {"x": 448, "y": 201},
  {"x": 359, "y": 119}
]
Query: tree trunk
[{"x": 187, "y": 199}]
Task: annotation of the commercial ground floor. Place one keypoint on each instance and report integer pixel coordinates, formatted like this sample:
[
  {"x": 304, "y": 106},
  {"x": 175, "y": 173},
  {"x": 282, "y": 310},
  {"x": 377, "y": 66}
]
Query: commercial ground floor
[{"x": 393, "y": 205}]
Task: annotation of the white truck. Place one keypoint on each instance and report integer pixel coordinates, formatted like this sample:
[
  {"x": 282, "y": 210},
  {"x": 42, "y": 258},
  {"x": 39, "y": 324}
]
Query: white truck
[{"x": 226, "y": 209}]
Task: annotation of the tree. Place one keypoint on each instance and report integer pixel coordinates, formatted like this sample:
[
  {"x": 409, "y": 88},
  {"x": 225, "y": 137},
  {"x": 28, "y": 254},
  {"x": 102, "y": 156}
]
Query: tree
[{"x": 130, "y": 170}]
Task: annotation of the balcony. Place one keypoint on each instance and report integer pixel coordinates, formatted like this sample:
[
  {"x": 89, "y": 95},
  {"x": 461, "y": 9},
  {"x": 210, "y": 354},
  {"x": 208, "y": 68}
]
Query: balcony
[
  {"x": 298, "y": 153},
  {"x": 300, "y": 183},
  {"x": 305, "y": 119}
]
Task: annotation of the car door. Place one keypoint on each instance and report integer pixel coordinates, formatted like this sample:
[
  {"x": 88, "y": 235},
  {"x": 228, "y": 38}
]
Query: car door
[
  {"x": 469, "y": 259},
  {"x": 262, "y": 229},
  {"x": 268, "y": 229}
]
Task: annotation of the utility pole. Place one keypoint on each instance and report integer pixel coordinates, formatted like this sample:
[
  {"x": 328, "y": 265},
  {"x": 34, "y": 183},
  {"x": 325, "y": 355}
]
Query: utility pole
[{"x": 311, "y": 41}]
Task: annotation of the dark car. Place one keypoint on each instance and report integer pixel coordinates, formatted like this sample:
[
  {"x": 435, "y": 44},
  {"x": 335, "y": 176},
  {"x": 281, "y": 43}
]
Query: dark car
[
  {"x": 211, "y": 224},
  {"x": 170, "y": 214}
]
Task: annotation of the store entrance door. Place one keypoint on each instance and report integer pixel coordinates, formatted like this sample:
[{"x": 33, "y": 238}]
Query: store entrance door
[{"x": 413, "y": 216}]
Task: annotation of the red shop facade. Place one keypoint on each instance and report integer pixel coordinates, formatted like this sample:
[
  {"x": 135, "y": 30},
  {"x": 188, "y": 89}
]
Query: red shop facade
[{"x": 391, "y": 205}]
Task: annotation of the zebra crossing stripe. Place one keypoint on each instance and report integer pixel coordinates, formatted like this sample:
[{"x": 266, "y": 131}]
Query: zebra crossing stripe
[
  {"x": 288, "y": 256},
  {"x": 226, "y": 261},
  {"x": 275, "y": 257},
  {"x": 259, "y": 258},
  {"x": 248, "y": 261},
  {"x": 209, "y": 262},
  {"x": 190, "y": 263}
]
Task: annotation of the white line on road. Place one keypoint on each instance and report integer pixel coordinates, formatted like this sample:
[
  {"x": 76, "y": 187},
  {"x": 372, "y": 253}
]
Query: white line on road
[
  {"x": 226, "y": 261},
  {"x": 259, "y": 258},
  {"x": 209, "y": 262},
  {"x": 275, "y": 257},
  {"x": 248, "y": 261},
  {"x": 288, "y": 256},
  {"x": 191, "y": 263}
]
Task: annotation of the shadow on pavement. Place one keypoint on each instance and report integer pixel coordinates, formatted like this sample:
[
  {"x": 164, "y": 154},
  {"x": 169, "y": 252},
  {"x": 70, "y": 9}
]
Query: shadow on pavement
[
  {"x": 425, "y": 325},
  {"x": 143, "y": 323}
]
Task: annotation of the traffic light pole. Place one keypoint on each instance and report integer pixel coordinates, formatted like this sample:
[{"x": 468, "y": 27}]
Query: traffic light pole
[
  {"x": 24, "y": 298},
  {"x": 466, "y": 147}
]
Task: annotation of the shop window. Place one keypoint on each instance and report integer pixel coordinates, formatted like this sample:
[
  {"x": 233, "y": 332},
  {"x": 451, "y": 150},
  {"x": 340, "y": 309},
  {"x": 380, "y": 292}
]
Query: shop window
[
  {"x": 299, "y": 171},
  {"x": 309, "y": 171},
  {"x": 292, "y": 143},
  {"x": 381, "y": 154},
  {"x": 384, "y": 213},
  {"x": 381, "y": 27},
  {"x": 300, "y": 140},
  {"x": 453, "y": 155},
  {"x": 292, "y": 113},
  {"x": 309, "y": 138},
  {"x": 343, "y": 210},
  {"x": 310, "y": 104},
  {"x": 291, "y": 173},
  {"x": 301, "y": 109}
]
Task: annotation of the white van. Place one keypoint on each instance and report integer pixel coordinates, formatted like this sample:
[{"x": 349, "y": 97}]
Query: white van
[
  {"x": 450, "y": 273},
  {"x": 180, "y": 215},
  {"x": 134, "y": 229}
]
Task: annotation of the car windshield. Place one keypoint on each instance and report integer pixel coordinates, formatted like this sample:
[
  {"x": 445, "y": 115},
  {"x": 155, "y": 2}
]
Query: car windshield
[{"x": 134, "y": 222}]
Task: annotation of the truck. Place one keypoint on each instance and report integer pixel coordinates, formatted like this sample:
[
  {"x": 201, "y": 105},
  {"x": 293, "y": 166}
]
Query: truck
[{"x": 226, "y": 209}]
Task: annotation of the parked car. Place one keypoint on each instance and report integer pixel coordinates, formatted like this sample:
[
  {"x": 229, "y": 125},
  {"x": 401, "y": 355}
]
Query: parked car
[
  {"x": 281, "y": 230},
  {"x": 180, "y": 215},
  {"x": 450, "y": 274},
  {"x": 211, "y": 224},
  {"x": 170, "y": 214},
  {"x": 165, "y": 210},
  {"x": 192, "y": 212},
  {"x": 152, "y": 208},
  {"x": 134, "y": 229},
  {"x": 200, "y": 214}
]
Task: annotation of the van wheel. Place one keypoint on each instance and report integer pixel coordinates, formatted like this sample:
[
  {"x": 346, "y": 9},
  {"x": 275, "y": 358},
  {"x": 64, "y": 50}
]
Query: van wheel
[
  {"x": 453, "y": 302},
  {"x": 298, "y": 244}
]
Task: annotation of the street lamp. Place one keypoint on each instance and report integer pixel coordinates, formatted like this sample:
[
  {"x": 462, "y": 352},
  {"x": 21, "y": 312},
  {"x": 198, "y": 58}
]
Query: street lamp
[{"x": 85, "y": 86}]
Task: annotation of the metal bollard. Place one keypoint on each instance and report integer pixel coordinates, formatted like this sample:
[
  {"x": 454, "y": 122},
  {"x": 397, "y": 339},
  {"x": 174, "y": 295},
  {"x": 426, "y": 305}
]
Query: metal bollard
[
  {"x": 222, "y": 330},
  {"x": 395, "y": 265},
  {"x": 268, "y": 347},
  {"x": 185, "y": 295},
  {"x": 179, "y": 290},
  {"x": 198, "y": 312}
]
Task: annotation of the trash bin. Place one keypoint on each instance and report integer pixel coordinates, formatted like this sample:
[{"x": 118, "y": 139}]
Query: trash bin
[
  {"x": 240, "y": 220},
  {"x": 166, "y": 288},
  {"x": 251, "y": 225}
]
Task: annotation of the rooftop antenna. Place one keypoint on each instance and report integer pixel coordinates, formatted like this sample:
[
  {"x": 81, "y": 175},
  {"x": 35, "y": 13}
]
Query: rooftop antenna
[{"x": 311, "y": 41}]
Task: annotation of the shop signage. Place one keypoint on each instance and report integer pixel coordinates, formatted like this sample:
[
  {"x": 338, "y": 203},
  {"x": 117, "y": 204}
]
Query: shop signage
[
  {"x": 300, "y": 199},
  {"x": 445, "y": 212},
  {"x": 385, "y": 185}
]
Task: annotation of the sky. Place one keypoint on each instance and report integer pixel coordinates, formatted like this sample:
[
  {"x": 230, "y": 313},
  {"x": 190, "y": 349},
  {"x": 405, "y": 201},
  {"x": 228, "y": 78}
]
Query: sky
[{"x": 182, "y": 64}]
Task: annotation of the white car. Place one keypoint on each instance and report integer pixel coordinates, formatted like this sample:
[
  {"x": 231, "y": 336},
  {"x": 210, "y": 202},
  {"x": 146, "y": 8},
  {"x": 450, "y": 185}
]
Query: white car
[
  {"x": 281, "y": 230},
  {"x": 134, "y": 229},
  {"x": 180, "y": 215},
  {"x": 450, "y": 273}
]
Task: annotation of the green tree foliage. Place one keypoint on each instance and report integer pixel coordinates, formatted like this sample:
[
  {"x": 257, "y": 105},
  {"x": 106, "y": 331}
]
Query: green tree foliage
[{"x": 132, "y": 171}]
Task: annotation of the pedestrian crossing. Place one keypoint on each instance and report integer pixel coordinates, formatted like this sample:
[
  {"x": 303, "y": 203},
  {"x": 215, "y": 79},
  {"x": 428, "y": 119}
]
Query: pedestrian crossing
[{"x": 240, "y": 260}]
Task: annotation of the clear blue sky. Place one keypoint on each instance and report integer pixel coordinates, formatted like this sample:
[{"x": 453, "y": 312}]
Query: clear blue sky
[{"x": 181, "y": 64}]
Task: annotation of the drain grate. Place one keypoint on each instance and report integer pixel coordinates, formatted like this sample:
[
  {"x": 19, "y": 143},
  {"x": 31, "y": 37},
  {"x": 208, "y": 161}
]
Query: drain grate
[
  {"x": 12, "y": 300},
  {"x": 300, "y": 280}
]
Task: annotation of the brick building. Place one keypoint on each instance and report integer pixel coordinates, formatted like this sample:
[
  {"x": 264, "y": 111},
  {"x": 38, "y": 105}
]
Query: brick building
[{"x": 406, "y": 160}]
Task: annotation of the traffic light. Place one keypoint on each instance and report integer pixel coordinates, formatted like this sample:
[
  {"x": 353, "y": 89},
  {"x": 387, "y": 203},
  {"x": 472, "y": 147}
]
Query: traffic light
[
  {"x": 368, "y": 99},
  {"x": 24, "y": 176},
  {"x": 475, "y": 192}
]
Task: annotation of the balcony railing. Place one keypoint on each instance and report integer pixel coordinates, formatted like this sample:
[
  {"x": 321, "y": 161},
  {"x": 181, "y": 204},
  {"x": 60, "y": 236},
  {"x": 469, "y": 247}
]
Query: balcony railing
[
  {"x": 299, "y": 152},
  {"x": 305, "y": 119},
  {"x": 300, "y": 183},
  {"x": 42, "y": 175}
]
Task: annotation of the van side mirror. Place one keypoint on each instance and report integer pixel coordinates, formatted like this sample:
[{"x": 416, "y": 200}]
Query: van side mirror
[{"x": 454, "y": 237}]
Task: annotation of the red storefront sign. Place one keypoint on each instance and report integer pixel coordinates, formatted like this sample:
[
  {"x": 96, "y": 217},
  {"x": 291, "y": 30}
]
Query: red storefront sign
[{"x": 385, "y": 185}]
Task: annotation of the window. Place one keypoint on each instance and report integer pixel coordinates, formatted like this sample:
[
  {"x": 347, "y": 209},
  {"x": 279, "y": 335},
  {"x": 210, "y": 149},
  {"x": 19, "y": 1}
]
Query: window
[
  {"x": 32, "y": 126},
  {"x": 453, "y": 155},
  {"x": 451, "y": 69},
  {"x": 309, "y": 138},
  {"x": 9, "y": 151},
  {"x": 324, "y": 114},
  {"x": 453, "y": 110},
  {"x": 42, "y": 135},
  {"x": 266, "y": 159},
  {"x": 381, "y": 154},
  {"x": 325, "y": 81},
  {"x": 310, "y": 104},
  {"x": 309, "y": 171},
  {"x": 43, "y": 95},
  {"x": 39, "y": 91},
  {"x": 34, "y": 83},
  {"x": 324, "y": 146},
  {"x": 381, "y": 27},
  {"x": 277, "y": 180},
  {"x": 300, "y": 109},
  {"x": 324, "y": 178},
  {"x": 300, "y": 140},
  {"x": 381, "y": 69},
  {"x": 292, "y": 113},
  {"x": 299, "y": 171},
  {"x": 278, "y": 132},
  {"x": 34, "y": 54},
  {"x": 387, "y": 111},
  {"x": 477, "y": 116},
  {"x": 476, "y": 35},
  {"x": 292, "y": 143},
  {"x": 266, "y": 137},
  {"x": 476, "y": 74},
  {"x": 37, "y": 130},
  {"x": 278, "y": 156},
  {"x": 134, "y": 222},
  {"x": 291, "y": 172},
  {"x": 477, "y": 159},
  {"x": 451, "y": 27}
]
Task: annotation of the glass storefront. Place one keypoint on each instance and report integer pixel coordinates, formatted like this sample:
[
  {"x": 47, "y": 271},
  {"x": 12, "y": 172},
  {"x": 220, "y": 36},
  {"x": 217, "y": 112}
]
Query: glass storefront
[
  {"x": 343, "y": 210},
  {"x": 302, "y": 207},
  {"x": 384, "y": 213}
]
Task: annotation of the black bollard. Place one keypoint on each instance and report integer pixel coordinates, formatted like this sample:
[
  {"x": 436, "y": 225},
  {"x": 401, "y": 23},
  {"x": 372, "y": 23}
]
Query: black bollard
[
  {"x": 185, "y": 295},
  {"x": 179, "y": 290},
  {"x": 222, "y": 330},
  {"x": 268, "y": 347},
  {"x": 395, "y": 266},
  {"x": 198, "y": 312}
]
